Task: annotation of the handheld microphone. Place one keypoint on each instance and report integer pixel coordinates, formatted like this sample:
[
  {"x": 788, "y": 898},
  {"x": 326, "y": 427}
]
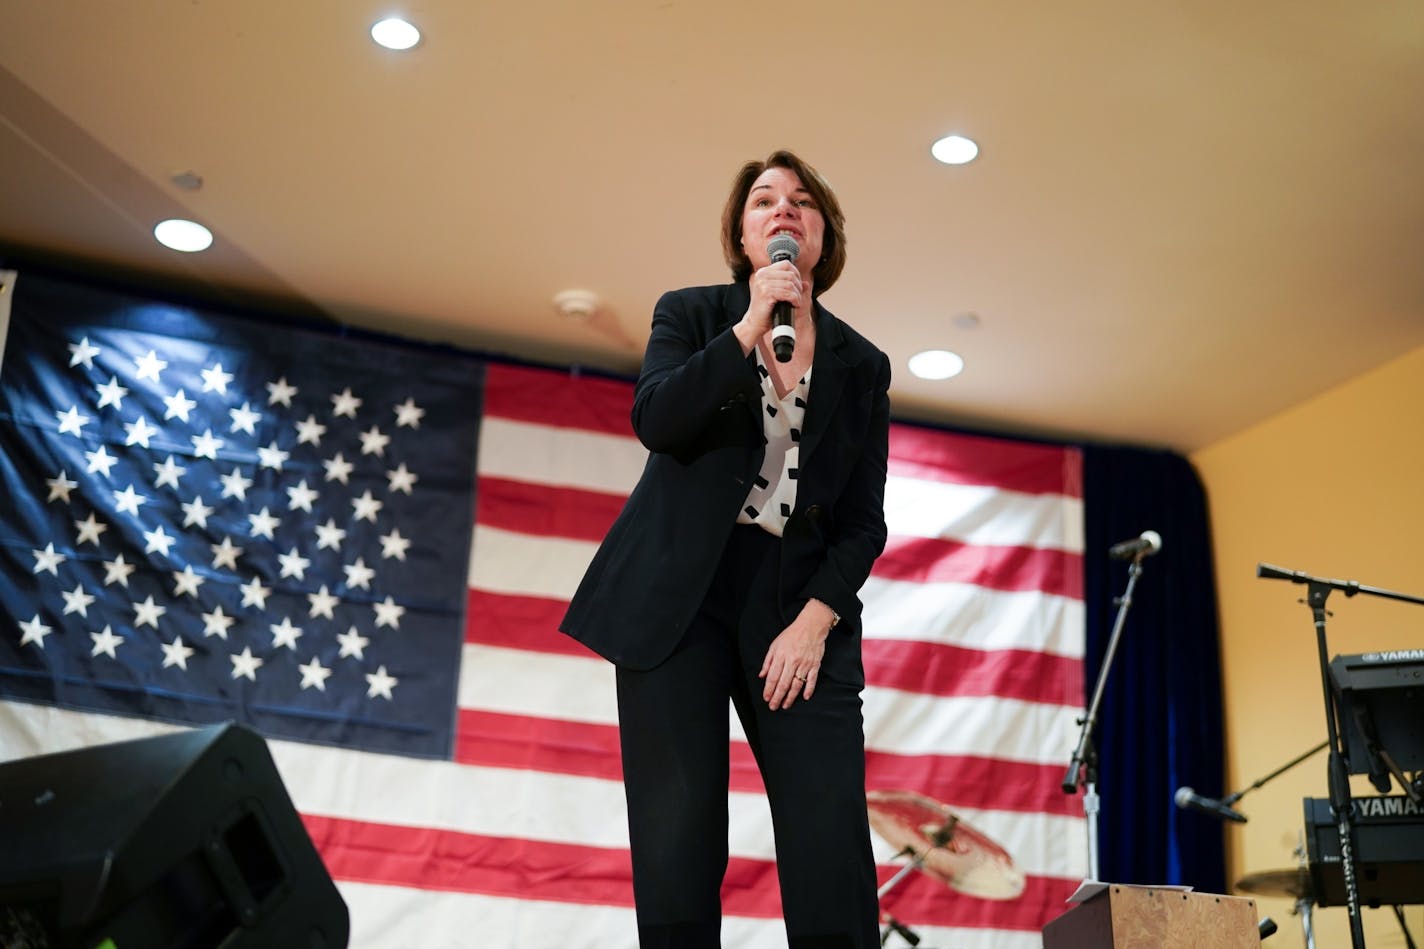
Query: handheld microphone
[
  {"x": 1189, "y": 799},
  {"x": 1143, "y": 546},
  {"x": 783, "y": 329}
]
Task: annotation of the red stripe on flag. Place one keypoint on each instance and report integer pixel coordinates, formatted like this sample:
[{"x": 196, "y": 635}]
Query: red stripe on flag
[
  {"x": 519, "y": 622},
  {"x": 516, "y": 868},
  {"x": 942, "y": 669},
  {"x": 562, "y": 399},
  {"x": 977, "y": 459},
  {"x": 551, "y": 745},
  {"x": 932, "y": 559},
  {"x": 973, "y": 782},
  {"x": 430, "y": 859},
  {"x": 543, "y": 510}
]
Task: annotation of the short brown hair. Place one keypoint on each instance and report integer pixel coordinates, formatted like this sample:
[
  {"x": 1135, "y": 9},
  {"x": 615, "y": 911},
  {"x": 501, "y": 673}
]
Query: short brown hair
[{"x": 833, "y": 255}]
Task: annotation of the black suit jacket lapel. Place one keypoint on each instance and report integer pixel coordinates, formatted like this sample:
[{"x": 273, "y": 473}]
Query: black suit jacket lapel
[
  {"x": 734, "y": 305},
  {"x": 828, "y": 382}
]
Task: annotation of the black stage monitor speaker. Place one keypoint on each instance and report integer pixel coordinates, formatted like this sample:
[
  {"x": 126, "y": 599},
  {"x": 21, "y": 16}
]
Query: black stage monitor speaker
[{"x": 183, "y": 841}]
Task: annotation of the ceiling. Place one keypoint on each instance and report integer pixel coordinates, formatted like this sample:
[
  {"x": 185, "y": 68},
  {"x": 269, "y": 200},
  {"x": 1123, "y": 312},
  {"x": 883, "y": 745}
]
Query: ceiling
[{"x": 1185, "y": 216}]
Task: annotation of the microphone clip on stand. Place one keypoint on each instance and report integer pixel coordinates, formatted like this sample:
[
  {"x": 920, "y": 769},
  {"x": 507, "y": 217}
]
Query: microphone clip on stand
[
  {"x": 1083, "y": 766},
  {"x": 1317, "y": 590}
]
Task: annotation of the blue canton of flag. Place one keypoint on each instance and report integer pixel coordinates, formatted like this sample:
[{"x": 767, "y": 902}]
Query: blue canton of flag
[{"x": 206, "y": 518}]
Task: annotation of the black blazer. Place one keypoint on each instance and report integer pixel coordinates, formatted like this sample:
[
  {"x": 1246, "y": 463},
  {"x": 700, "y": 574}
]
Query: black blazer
[{"x": 697, "y": 407}]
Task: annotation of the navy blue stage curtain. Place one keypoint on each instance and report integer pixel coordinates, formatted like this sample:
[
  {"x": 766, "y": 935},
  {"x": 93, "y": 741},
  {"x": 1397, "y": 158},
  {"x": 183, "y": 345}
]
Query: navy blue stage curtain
[{"x": 1160, "y": 722}]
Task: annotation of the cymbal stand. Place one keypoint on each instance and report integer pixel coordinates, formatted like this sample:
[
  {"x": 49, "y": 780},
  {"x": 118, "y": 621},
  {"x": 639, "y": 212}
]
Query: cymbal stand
[
  {"x": 1305, "y": 908},
  {"x": 1317, "y": 590},
  {"x": 939, "y": 838},
  {"x": 1083, "y": 767},
  {"x": 1305, "y": 900}
]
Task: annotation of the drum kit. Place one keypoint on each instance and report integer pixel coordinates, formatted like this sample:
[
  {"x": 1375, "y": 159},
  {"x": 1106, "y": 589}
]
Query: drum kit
[{"x": 943, "y": 847}]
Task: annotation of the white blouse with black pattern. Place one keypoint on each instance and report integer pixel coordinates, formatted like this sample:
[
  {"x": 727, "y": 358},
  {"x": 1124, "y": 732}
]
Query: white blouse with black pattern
[{"x": 773, "y": 494}]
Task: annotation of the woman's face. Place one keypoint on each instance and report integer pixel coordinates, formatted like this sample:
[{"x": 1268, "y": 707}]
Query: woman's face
[{"x": 777, "y": 202}]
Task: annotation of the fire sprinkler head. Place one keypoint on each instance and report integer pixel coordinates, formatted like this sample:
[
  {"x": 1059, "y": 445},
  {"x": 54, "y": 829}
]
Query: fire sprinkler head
[{"x": 576, "y": 304}]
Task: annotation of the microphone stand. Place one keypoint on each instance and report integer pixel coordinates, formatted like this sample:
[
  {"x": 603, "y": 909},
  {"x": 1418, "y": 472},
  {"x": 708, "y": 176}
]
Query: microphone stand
[
  {"x": 1317, "y": 590},
  {"x": 1083, "y": 766},
  {"x": 1235, "y": 796}
]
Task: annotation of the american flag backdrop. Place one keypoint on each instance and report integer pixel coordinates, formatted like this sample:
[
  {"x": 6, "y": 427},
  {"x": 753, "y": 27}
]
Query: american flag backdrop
[{"x": 363, "y": 549}]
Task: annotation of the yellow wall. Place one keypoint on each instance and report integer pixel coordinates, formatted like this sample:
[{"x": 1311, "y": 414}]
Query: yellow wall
[{"x": 1333, "y": 487}]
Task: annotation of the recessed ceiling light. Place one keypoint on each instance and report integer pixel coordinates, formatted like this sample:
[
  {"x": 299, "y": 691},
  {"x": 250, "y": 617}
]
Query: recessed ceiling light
[
  {"x": 954, "y": 150},
  {"x": 936, "y": 364},
  {"x": 395, "y": 33},
  {"x": 187, "y": 236}
]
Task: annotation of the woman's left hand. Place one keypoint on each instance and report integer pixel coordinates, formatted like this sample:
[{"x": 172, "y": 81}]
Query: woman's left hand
[{"x": 794, "y": 660}]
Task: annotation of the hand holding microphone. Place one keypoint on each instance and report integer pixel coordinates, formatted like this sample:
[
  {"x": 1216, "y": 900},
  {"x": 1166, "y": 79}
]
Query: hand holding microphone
[{"x": 783, "y": 321}]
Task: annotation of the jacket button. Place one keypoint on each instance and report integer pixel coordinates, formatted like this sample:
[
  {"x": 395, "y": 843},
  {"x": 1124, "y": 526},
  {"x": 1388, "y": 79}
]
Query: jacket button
[
  {"x": 814, "y": 512},
  {"x": 740, "y": 397},
  {"x": 740, "y": 480}
]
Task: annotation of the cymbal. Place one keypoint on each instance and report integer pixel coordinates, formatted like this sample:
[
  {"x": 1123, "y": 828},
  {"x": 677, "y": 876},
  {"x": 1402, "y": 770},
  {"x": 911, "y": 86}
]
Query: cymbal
[
  {"x": 1294, "y": 883},
  {"x": 953, "y": 852}
]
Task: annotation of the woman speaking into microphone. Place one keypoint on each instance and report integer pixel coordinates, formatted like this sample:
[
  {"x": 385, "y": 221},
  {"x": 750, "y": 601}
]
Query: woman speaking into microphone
[{"x": 733, "y": 574}]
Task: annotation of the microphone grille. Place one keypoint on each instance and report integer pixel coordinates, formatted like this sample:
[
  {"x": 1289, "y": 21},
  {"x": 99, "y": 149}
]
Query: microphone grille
[
  {"x": 1154, "y": 540},
  {"x": 783, "y": 247},
  {"x": 1184, "y": 796}
]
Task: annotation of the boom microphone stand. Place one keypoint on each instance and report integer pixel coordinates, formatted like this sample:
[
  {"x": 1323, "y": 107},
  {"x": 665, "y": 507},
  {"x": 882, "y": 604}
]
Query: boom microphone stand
[
  {"x": 1083, "y": 767},
  {"x": 1317, "y": 589},
  {"x": 1235, "y": 796}
]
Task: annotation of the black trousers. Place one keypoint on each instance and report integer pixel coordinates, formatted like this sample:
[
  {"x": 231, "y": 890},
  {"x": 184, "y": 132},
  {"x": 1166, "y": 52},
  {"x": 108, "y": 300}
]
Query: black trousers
[{"x": 674, "y": 734}]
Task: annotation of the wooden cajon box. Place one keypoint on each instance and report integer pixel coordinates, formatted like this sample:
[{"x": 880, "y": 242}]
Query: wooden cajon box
[{"x": 1139, "y": 917}]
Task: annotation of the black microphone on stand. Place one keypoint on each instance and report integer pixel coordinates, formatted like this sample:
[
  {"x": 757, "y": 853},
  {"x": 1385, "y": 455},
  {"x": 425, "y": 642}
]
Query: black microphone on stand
[
  {"x": 1189, "y": 799},
  {"x": 1144, "y": 545},
  {"x": 783, "y": 322}
]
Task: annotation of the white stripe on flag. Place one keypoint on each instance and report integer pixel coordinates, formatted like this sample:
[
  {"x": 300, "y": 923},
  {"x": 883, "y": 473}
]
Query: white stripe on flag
[
  {"x": 523, "y": 564},
  {"x": 912, "y": 724},
  {"x": 962, "y": 614},
  {"x": 537, "y": 685},
  {"x": 395, "y": 918},
  {"x": 1039, "y": 843},
  {"x": 982, "y": 515},
  {"x": 8, "y": 279},
  {"x": 27, "y": 730},
  {"x": 567, "y": 457}
]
